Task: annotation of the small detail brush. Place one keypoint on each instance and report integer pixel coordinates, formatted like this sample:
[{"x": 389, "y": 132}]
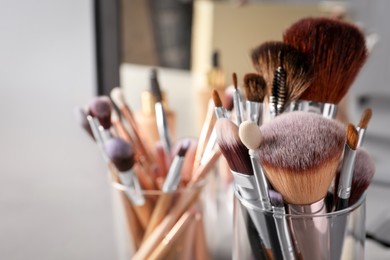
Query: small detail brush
[
  {"x": 255, "y": 90},
  {"x": 362, "y": 127},
  {"x": 347, "y": 168},
  {"x": 100, "y": 108},
  {"x": 237, "y": 100}
]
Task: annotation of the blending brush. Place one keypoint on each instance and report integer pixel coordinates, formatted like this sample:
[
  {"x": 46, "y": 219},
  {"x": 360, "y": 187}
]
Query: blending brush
[
  {"x": 300, "y": 153},
  {"x": 283, "y": 232},
  {"x": 237, "y": 101},
  {"x": 266, "y": 59},
  {"x": 162, "y": 124},
  {"x": 362, "y": 127},
  {"x": 347, "y": 168},
  {"x": 122, "y": 156},
  {"x": 100, "y": 108},
  {"x": 169, "y": 187},
  {"x": 240, "y": 164},
  {"x": 255, "y": 90},
  {"x": 337, "y": 51}
]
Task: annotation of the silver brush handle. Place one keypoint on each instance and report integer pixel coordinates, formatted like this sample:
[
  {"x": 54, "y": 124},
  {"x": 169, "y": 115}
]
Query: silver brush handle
[
  {"x": 261, "y": 181},
  {"x": 284, "y": 235},
  {"x": 133, "y": 188},
  {"x": 238, "y": 106},
  {"x": 254, "y": 111},
  {"x": 173, "y": 177},
  {"x": 346, "y": 173},
  {"x": 162, "y": 126},
  {"x": 361, "y": 132}
]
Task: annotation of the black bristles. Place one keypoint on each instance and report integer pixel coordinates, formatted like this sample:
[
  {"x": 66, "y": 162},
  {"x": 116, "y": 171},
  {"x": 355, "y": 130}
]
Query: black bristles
[{"x": 155, "y": 86}]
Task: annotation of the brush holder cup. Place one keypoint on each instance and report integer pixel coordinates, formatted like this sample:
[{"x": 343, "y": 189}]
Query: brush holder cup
[
  {"x": 266, "y": 234},
  {"x": 190, "y": 235}
]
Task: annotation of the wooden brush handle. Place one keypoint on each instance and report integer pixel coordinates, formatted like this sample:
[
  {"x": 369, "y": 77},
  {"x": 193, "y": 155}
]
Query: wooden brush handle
[
  {"x": 144, "y": 212},
  {"x": 201, "y": 251},
  {"x": 160, "y": 210}
]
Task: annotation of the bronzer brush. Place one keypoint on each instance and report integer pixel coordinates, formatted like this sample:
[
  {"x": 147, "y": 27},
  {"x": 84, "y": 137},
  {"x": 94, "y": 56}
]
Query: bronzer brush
[
  {"x": 255, "y": 90},
  {"x": 300, "y": 153},
  {"x": 266, "y": 59},
  {"x": 100, "y": 108},
  {"x": 362, "y": 127},
  {"x": 337, "y": 51},
  {"x": 122, "y": 156}
]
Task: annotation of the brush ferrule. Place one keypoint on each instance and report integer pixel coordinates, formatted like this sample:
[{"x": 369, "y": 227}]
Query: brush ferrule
[
  {"x": 162, "y": 126},
  {"x": 94, "y": 124},
  {"x": 173, "y": 177},
  {"x": 237, "y": 106},
  {"x": 261, "y": 180},
  {"x": 283, "y": 232},
  {"x": 327, "y": 110},
  {"x": 105, "y": 133},
  {"x": 346, "y": 173},
  {"x": 220, "y": 112},
  {"x": 246, "y": 185},
  {"x": 133, "y": 188},
  {"x": 361, "y": 132},
  {"x": 254, "y": 111}
]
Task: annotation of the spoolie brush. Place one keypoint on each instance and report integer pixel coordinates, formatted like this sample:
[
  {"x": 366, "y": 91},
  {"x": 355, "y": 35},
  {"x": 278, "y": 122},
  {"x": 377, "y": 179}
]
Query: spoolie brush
[
  {"x": 364, "y": 120},
  {"x": 300, "y": 153},
  {"x": 278, "y": 93},
  {"x": 336, "y": 50},
  {"x": 255, "y": 90},
  {"x": 237, "y": 100},
  {"x": 299, "y": 73}
]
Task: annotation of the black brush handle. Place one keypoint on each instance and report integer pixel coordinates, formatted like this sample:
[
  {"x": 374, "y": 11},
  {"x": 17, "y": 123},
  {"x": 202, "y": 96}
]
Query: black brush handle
[
  {"x": 342, "y": 204},
  {"x": 273, "y": 237}
]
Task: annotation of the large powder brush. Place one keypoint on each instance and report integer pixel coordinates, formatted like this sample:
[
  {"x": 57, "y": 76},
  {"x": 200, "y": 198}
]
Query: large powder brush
[
  {"x": 336, "y": 50},
  {"x": 300, "y": 153}
]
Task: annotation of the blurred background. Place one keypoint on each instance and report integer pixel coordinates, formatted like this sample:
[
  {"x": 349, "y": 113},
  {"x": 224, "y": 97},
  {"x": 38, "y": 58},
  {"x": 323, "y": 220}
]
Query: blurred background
[{"x": 55, "y": 198}]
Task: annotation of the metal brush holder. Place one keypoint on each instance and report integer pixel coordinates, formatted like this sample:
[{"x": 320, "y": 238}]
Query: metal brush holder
[
  {"x": 325, "y": 109},
  {"x": 343, "y": 238}
]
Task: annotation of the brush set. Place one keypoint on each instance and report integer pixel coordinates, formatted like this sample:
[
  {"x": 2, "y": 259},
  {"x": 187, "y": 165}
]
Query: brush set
[
  {"x": 298, "y": 172},
  {"x": 159, "y": 188}
]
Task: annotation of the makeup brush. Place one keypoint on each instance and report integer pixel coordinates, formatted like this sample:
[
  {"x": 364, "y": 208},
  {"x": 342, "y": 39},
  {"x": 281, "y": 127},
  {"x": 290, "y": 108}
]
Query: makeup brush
[
  {"x": 277, "y": 99},
  {"x": 347, "y": 168},
  {"x": 300, "y": 153},
  {"x": 337, "y": 51},
  {"x": 100, "y": 108},
  {"x": 255, "y": 90},
  {"x": 283, "y": 232},
  {"x": 122, "y": 156},
  {"x": 237, "y": 100},
  {"x": 169, "y": 187},
  {"x": 364, "y": 120},
  {"x": 81, "y": 118},
  {"x": 162, "y": 124},
  {"x": 299, "y": 72}
]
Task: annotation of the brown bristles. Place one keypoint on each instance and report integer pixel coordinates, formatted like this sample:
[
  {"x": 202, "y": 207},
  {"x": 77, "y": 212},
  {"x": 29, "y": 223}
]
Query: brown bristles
[
  {"x": 336, "y": 50},
  {"x": 352, "y": 136},
  {"x": 217, "y": 100},
  {"x": 254, "y": 87},
  {"x": 266, "y": 58},
  {"x": 232, "y": 148},
  {"x": 300, "y": 153},
  {"x": 235, "y": 84},
  {"x": 365, "y": 118}
]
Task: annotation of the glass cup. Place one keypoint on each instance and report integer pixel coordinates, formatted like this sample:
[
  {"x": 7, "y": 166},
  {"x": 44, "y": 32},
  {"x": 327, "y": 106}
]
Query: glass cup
[{"x": 265, "y": 234}]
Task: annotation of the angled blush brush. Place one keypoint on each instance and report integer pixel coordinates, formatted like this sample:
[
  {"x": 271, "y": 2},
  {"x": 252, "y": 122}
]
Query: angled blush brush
[
  {"x": 337, "y": 51},
  {"x": 300, "y": 153},
  {"x": 121, "y": 155},
  {"x": 100, "y": 108},
  {"x": 299, "y": 72},
  {"x": 255, "y": 90},
  {"x": 363, "y": 124}
]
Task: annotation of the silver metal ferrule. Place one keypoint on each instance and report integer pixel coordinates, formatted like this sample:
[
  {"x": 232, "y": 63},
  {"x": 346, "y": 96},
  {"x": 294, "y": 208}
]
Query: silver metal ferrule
[
  {"x": 173, "y": 176},
  {"x": 254, "y": 111},
  {"x": 261, "y": 180},
  {"x": 133, "y": 188},
  {"x": 105, "y": 133},
  {"x": 327, "y": 110},
  {"x": 220, "y": 112},
  {"x": 284, "y": 235},
  {"x": 246, "y": 186},
  {"x": 346, "y": 173},
  {"x": 361, "y": 132},
  {"x": 162, "y": 126},
  {"x": 237, "y": 106},
  {"x": 94, "y": 124}
]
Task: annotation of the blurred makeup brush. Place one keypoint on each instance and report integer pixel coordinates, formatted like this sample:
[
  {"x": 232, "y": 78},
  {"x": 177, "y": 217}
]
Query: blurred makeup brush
[
  {"x": 299, "y": 72},
  {"x": 237, "y": 101},
  {"x": 100, "y": 108},
  {"x": 300, "y": 154},
  {"x": 162, "y": 124},
  {"x": 337, "y": 51},
  {"x": 362, "y": 127},
  {"x": 169, "y": 187},
  {"x": 255, "y": 90},
  {"x": 220, "y": 110},
  {"x": 118, "y": 99},
  {"x": 122, "y": 156},
  {"x": 81, "y": 118},
  {"x": 283, "y": 232},
  {"x": 347, "y": 168}
]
